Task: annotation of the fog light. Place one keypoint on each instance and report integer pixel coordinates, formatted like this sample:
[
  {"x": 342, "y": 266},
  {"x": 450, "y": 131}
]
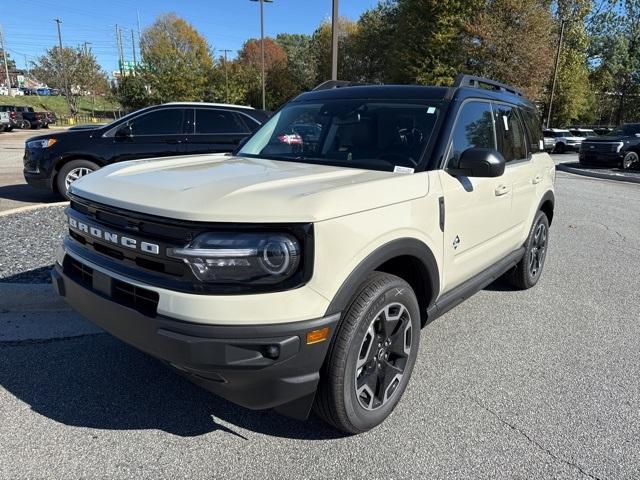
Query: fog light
[
  {"x": 317, "y": 336},
  {"x": 273, "y": 351}
]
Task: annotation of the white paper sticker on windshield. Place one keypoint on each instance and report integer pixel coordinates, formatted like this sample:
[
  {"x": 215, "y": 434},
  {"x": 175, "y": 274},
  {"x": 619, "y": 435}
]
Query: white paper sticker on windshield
[
  {"x": 398, "y": 169},
  {"x": 431, "y": 110},
  {"x": 506, "y": 122},
  {"x": 541, "y": 145}
]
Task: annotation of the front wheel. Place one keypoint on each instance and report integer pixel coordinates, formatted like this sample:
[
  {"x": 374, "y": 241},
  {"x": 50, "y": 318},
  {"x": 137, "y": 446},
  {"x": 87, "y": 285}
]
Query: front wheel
[
  {"x": 371, "y": 360},
  {"x": 25, "y": 125},
  {"x": 72, "y": 171},
  {"x": 629, "y": 160}
]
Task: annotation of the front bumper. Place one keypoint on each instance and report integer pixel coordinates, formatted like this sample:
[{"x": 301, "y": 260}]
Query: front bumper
[
  {"x": 37, "y": 168},
  {"x": 601, "y": 158},
  {"x": 234, "y": 362}
]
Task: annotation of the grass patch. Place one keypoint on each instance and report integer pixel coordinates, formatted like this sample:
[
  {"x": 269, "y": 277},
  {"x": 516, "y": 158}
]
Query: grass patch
[{"x": 104, "y": 107}]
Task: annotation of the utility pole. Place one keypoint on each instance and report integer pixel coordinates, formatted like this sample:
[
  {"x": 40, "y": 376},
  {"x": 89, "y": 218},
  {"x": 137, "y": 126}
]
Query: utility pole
[
  {"x": 133, "y": 47},
  {"x": 334, "y": 41},
  {"x": 226, "y": 73},
  {"x": 62, "y": 66},
  {"x": 555, "y": 72},
  {"x": 139, "y": 34},
  {"x": 120, "y": 54},
  {"x": 264, "y": 94},
  {"x": 6, "y": 65}
]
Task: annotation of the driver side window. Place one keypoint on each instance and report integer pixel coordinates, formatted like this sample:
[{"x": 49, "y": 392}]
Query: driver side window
[{"x": 474, "y": 128}]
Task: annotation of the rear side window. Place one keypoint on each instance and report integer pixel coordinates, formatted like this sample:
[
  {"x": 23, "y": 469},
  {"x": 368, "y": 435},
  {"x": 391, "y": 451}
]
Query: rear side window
[
  {"x": 474, "y": 128},
  {"x": 534, "y": 129},
  {"x": 161, "y": 122},
  {"x": 510, "y": 133},
  {"x": 218, "y": 121}
]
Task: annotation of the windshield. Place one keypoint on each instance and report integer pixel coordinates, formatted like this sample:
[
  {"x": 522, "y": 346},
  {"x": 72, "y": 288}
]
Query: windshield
[
  {"x": 626, "y": 130},
  {"x": 368, "y": 134}
]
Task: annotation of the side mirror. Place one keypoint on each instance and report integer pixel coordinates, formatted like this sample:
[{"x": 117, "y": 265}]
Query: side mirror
[
  {"x": 124, "y": 131},
  {"x": 480, "y": 162}
]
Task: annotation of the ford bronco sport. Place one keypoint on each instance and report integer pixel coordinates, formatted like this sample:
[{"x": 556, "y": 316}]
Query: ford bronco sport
[{"x": 299, "y": 271}]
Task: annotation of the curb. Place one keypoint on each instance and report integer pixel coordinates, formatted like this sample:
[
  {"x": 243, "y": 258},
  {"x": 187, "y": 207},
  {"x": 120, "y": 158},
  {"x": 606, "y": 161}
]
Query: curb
[
  {"x": 604, "y": 176},
  {"x": 30, "y": 297},
  {"x": 29, "y": 208}
]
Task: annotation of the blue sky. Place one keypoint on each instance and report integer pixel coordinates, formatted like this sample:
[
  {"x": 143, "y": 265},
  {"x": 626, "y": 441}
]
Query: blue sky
[{"x": 29, "y": 27}]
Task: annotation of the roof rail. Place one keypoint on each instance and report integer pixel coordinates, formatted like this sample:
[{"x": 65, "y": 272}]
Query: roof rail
[
  {"x": 463, "y": 80},
  {"x": 338, "y": 84}
]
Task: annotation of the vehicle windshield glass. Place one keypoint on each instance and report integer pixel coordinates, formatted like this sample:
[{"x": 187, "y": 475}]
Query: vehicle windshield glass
[
  {"x": 367, "y": 134},
  {"x": 626, "y": 130}
]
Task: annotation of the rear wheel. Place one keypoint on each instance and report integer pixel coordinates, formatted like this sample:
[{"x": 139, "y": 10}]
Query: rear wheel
[
  {"x": 26, "y": 125},
  {"x": 72, "y": 171},
  {"x": 561, "y": 148},
  {"x": 372, "y": 357},
  {"x": 629, "y": 160},
  {"x": 528, "y": 271},
  {"x": 8, "y": 129}
]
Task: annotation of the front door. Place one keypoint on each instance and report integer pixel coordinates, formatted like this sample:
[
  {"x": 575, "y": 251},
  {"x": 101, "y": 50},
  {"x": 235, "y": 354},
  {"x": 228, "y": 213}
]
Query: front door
[
  {"x": 477, "y": 210},
  {"x": 159, "y": 133}
]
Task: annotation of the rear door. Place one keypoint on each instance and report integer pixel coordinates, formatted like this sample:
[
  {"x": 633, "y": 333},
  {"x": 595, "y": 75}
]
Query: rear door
[
  {"x": 159, "y": 133},
  {"x": 519, "y": 172},
  {"x": 215, "y": 130}
]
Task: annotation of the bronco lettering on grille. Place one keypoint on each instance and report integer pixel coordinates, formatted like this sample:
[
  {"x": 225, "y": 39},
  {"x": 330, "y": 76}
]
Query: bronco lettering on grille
[{"x": 112, "y": 237}]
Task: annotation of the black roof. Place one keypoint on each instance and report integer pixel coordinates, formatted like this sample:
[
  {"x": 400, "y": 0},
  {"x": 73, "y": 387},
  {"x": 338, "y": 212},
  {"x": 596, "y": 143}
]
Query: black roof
[{"x": 415, "y": 92}]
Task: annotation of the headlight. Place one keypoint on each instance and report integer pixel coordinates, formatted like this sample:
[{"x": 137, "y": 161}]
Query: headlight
[
  {"x": 46, "y": 143},
  {"x": 254, "y": 258}
]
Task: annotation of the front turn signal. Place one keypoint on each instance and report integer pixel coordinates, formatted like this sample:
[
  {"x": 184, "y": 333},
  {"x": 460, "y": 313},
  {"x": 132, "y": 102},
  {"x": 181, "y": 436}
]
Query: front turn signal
[{"x": 317, "y": 336}]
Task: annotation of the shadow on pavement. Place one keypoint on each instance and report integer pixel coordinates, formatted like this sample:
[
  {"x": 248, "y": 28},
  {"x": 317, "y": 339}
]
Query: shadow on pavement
[
  {"x": 26, "y": 193},
  {"x": 99, "y": 382},
  {"x": 36, "y": 275}
]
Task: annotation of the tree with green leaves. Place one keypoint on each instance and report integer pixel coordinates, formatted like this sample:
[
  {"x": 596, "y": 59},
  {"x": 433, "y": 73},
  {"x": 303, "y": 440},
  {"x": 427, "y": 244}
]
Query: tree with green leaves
[
  {"x": 76, "y": 67},
  {"x": 573, "y": 97},
  {"x": 512, "y": 41},
  {"x": 615, "y": 53},
  {"x": 176, "y": 60}
]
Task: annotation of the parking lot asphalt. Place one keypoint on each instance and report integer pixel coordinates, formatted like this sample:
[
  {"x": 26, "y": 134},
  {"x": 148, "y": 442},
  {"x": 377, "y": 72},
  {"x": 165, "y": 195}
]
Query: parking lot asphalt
[
  {"x": 536, "y": 384},
  {"x": 14, "y": 191}
]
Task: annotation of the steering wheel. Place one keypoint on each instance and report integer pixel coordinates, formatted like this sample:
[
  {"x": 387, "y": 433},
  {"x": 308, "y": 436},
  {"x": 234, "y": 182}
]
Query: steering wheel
[{"x": 410, "y": 136}]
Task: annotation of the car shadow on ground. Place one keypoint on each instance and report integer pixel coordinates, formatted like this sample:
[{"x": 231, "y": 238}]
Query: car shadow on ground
[
  {"x": 96, "y": 381},
  {"x": 26, "y": 193},
  {"x": 35, "y": 275}
]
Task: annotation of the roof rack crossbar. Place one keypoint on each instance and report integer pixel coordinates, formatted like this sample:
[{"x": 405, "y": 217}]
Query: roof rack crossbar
[
  {"x": 476, "y": 82},
  {"x": 337, "y": 84}
]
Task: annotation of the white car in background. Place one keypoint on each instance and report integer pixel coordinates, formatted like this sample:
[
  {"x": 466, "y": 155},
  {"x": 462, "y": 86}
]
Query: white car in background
[{"x": 560, "y": 141}]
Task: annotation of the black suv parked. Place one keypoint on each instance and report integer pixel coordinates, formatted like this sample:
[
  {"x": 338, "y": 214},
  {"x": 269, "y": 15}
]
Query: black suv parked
[
  {"x": 620, "y": 148},
  {"x": 55, "y": 160},
  {"x": 15, "y": 117}
]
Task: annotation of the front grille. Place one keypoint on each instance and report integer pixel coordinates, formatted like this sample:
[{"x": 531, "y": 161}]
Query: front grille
[
  {"x": 599, "y": 147},
  {"x": 78, "y": 272},
  {"x": 140, "y": 299}
]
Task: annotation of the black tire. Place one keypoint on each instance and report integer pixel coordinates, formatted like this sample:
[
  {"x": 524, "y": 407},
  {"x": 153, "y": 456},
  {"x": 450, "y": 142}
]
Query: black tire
[
  {"x": 67, "y": 169},
  {"x": 337, "y": 402},
  {"x": 524, "y": 275},
  {"x": 561, "y": 148},
  {"x": 8, "y": 129},
  {"x": 26, "y": 125},
  {"x": 630, "y": 159}
]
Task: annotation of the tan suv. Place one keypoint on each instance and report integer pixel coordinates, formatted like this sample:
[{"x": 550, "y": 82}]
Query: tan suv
[{"x": 299, "y": 271}]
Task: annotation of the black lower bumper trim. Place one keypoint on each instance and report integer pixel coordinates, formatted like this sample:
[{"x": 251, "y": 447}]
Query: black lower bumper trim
[{"x": 256, "y": 366}]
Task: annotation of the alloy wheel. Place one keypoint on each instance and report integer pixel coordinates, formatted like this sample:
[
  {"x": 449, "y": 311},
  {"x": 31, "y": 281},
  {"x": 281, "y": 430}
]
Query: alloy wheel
[
  {"x": 538, "y": 250},
  {"x": 75, "y": 174},
  {"x": 383, "y": 356}
]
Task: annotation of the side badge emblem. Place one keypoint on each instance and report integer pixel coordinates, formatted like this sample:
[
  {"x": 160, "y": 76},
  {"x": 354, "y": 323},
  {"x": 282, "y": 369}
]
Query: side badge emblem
[{"x": 456, "y": 242}]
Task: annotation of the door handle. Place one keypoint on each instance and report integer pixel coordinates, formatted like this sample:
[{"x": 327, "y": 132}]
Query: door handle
[
  {"x": 501, "y": 190},
  {"x": 537, "y": 179},
  {"x": 174, "y": 142}
]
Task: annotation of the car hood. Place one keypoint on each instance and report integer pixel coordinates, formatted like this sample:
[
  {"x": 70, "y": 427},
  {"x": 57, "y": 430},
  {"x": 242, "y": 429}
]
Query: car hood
[{"x": 222, "y": 188}]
